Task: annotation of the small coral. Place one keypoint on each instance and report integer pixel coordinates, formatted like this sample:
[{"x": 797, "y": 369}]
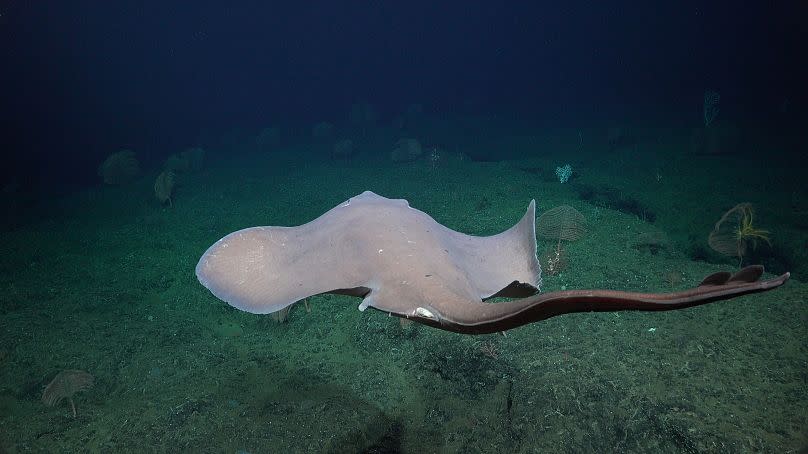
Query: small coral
[
  {"x": 563, "y": 173},
  {"x": 734, "y": 233},
  {"x": 164, "y": 187},
  {"x": 119, "y": 168},
  {"x": 561, "y": 223},
  {"x": 64, "y": 385},
  {"x": 554, "y": 260}
]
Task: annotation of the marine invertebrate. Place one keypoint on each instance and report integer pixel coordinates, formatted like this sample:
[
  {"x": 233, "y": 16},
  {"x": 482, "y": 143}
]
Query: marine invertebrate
[
  {"x": 711, "y": 106},
  {"x": 560, "y": 223},
  {"x": 554, "y": 260},
  {"x": 164, "y": 187},
  {"x": 564, "y": 173},
  {"x": 64, "y": 385},
  {"x": 119, "y": 168},
  {"x": 489, "y": 349},
  {"x": 735, "y": 232}
]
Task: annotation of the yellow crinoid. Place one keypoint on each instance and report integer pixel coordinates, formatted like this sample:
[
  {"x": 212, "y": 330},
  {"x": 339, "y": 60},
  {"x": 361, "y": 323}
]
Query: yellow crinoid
[
  {"x": 746, "y": 231},
  {"x": 735, "y": 232}
]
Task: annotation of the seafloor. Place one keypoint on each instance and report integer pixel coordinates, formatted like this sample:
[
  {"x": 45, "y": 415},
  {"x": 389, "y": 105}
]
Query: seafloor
[{"x": 103, "y": 280}]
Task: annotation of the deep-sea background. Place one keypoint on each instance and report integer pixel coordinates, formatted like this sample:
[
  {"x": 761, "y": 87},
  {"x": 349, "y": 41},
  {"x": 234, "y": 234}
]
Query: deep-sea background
[{"x": 99, "y": 277}]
